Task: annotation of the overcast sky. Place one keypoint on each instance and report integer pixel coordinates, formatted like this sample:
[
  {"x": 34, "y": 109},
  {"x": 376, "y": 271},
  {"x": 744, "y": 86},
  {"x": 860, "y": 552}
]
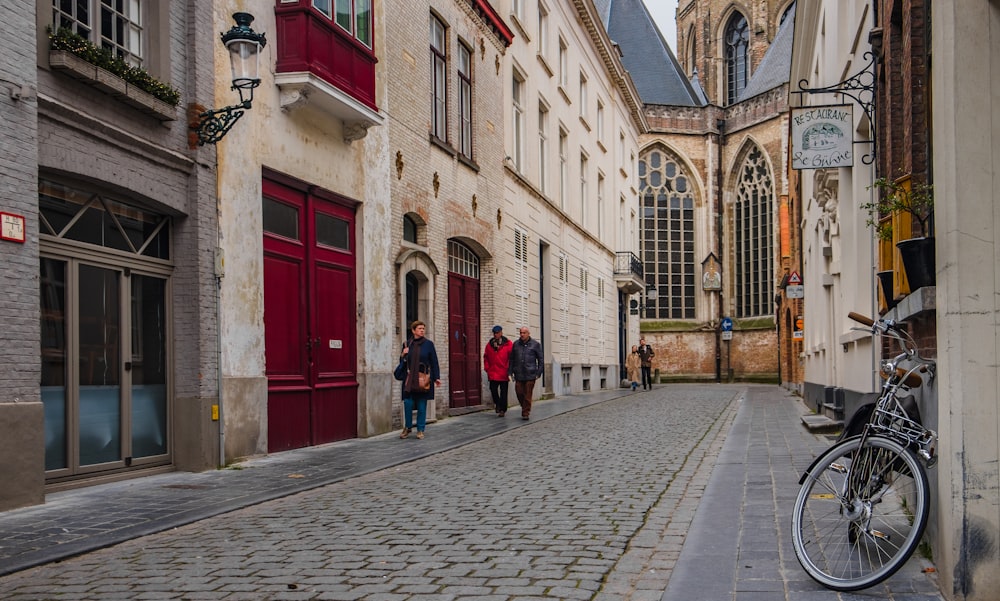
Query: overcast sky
[{"x": 663, "y": 12}]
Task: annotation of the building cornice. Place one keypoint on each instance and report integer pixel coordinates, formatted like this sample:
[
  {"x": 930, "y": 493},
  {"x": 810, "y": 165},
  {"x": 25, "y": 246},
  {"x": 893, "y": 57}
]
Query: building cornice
[{"x": 608, "y": 52}]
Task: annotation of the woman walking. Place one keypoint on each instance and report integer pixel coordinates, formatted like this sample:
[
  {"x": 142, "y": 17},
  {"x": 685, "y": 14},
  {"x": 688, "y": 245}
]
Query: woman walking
[
  {"x": 632, "y": 365},
  {"x": 419, "y": 357}
]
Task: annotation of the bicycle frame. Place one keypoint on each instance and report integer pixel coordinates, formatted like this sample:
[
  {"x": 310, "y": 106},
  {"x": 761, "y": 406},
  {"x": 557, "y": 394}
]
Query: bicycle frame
[{"x": 890, "y": 419}]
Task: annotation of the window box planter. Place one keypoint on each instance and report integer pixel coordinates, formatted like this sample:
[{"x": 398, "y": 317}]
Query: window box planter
[{"x": 111, "y": 84}]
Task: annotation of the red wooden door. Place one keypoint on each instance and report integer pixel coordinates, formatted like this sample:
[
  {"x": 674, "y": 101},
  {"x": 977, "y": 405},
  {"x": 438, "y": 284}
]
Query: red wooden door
[
  {"x": 464, "y": 377},
  {"x": 309, "y": 325}
]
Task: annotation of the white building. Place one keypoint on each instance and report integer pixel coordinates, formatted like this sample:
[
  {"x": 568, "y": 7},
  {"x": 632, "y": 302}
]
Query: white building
[{"x": 570, "y": 193}]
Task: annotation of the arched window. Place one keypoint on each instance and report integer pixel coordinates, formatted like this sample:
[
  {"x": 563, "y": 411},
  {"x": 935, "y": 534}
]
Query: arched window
[
  {"x": 409, "y": 229},
  {"x": 462, "y": 260},
  {"x": 667, "y": 228},
  {"x": 754, "y": 237},
  {"x": 737, "y": 47}
]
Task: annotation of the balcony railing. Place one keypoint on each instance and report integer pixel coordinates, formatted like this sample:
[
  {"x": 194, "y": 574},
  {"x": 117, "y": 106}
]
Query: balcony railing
[
  {"x": 629, "y": 272},
  {"x": 626, "y": 263}
]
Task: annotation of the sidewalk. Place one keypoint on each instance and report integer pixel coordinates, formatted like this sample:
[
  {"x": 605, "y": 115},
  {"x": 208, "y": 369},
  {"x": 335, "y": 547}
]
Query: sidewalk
[
  {"x": 736, "y": 548},
  {"x": 739, "y": 544}
]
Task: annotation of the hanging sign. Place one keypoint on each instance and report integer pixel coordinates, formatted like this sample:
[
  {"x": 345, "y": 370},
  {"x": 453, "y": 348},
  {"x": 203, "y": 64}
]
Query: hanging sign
[{"x": 822, "y": 136}]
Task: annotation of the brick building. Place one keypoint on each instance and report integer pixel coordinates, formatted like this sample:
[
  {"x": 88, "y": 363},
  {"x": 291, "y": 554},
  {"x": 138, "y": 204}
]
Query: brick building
[{"x": 109, "y": 227}]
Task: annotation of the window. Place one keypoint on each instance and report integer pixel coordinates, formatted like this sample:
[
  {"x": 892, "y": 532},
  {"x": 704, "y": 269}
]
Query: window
[
  {"x": 563, "y": 63},
  {"x": 600, "y": 122},
  {"x": 563, "y": 157},
  {"x": 754, "y": 242},
  {"x": 583, "y": 96},
  {"x": 115, "y": 25},
  {"x": 409, "y": 229},
  {"x": 462, "y": 260},
  {"x": 622, "y": 151},
  {"x": 439, "y": 83},
  {"x": 465, "y": 100},
  {"x": 600, "y": 206},
  {"x": 543, "y": 147},
  {"x": 585, "y": 325},
  {"x": 737, "y": 47},
  {"x": 543, "y": 31},
  {"x": 353, "y": 16},
  {"x": 666, "y": 228},
  {"x": 584, "y": 192},
  {"x": 521, "y": 267},
  {"x": 563, "y": 292},
  {"x": 517, "y": 121}
]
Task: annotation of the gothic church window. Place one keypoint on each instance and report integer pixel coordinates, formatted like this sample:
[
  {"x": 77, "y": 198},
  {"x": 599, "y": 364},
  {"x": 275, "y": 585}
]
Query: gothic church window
[
  {"x": 754, "y": 237},
  {"x": 667, "y": 229},
  {"x": 737, "y": 57}
]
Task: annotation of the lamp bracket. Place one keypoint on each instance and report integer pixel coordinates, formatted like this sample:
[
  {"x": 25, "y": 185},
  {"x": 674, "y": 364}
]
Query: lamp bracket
[
  {"x": 860, "y": 88},
  {"x": 214, "y": 124}
]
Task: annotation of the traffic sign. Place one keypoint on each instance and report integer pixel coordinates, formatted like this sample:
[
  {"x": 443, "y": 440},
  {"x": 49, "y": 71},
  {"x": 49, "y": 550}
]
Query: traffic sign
[
  {"x": 795, "y": 291},
  {"x": 794, "y": 278},
  {"x": 727, "y": 324}
]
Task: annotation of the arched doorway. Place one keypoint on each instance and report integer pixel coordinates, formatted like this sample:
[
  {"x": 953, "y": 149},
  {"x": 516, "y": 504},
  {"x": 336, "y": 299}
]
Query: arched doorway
[{"x": 465, "y": 380}]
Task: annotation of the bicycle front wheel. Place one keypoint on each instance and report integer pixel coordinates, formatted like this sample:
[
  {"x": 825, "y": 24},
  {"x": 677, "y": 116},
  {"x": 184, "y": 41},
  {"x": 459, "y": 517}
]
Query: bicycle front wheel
[{"x": 860, "y": 513}]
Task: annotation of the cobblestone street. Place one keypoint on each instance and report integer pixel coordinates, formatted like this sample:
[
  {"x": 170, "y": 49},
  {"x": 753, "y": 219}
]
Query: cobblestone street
[{"x": 558, "y": 509}]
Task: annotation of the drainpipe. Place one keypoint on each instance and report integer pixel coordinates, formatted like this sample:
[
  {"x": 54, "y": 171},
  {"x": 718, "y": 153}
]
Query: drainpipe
[
  {"x": 720, "y": 125},
  {"x": 219, "y": 272}
]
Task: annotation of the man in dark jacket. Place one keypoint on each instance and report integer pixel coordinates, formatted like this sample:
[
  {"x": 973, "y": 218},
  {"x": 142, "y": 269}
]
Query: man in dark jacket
[
  {"x": 526, "y": 365},
  {"x": 646, "y": 355}
]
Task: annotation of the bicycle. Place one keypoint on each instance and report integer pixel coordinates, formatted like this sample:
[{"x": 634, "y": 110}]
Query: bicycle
[{"x": 863, "y": 503}]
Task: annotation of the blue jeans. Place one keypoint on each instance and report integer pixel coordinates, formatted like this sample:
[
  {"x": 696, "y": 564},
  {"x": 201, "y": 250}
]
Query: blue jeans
[{"x": 421, "y": 413}]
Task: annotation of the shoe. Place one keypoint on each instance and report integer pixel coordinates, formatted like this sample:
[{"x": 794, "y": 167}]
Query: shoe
[
  {"x": 525, "y": 417},
  {"x": 420, "y": 435},
  {"x": 502, "y": 413},
  {"x": 405, "y": 433}
]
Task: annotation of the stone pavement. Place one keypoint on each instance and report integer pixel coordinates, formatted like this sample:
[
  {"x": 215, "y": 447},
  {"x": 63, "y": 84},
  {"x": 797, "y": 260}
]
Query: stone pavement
[{"x": 679, "y": 493}]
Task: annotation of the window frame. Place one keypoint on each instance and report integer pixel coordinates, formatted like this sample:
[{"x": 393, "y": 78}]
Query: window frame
[
  {"x": 439, "y": 78},
  {"x": 465, "y": 97}
]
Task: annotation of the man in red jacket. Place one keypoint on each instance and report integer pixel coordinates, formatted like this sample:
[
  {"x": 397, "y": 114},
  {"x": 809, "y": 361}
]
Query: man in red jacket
[{"x": 496, "y": 362}]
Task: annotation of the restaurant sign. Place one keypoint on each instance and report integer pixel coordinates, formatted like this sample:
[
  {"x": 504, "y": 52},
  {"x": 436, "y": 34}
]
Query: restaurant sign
[{"x": 822, "y": 137}]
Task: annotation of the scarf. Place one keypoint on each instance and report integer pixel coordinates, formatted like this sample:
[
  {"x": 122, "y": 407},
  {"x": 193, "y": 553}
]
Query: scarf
[
  {"x": 496, "y": 343},
  {"x": 413, "y": 364}
]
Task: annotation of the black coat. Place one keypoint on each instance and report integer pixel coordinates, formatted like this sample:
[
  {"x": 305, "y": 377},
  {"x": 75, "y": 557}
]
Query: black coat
[{"x": 526, "y": 361}]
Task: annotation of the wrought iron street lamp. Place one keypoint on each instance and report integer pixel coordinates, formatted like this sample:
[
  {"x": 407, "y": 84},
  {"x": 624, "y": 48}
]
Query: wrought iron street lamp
[{"x": 244, "y": 45}]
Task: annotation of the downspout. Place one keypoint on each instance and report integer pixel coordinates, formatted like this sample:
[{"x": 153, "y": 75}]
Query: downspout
[
  {"x": 219, "y": 272},
  {"x": 720, "y": 125}
]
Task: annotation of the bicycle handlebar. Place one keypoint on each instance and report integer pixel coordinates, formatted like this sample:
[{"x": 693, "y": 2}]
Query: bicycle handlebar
[{"x": 862, "y": 319}]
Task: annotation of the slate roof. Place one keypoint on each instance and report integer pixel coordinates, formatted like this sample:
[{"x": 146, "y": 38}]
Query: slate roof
[
  {"x": 776, "y": 66},
  {"x": 655, "y": 71}
]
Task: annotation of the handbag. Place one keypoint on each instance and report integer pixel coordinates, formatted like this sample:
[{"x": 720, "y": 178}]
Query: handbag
[
  {"x": 400, "y": 372},
  {"x": 423, "y": 378}
]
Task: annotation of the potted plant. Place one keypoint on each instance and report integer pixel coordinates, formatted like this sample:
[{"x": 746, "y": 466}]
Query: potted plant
[{"x": 916, "y": 200}]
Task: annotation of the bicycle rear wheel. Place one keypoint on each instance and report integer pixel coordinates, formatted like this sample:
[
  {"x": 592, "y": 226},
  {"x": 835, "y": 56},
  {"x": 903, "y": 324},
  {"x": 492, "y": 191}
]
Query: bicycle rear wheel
[{"x": 860, "y": 513}]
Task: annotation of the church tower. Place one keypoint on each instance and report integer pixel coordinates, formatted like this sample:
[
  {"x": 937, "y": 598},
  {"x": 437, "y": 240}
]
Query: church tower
[{"x": 723, "y": 42}]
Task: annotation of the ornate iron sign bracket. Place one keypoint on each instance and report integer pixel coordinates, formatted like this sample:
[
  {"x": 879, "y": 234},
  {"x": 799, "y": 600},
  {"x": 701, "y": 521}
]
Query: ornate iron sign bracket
[{"x": 860, "y": 88}]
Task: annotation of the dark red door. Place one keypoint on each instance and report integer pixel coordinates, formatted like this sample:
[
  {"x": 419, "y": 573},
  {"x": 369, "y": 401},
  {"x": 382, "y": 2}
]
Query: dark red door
[
  {"x": 309, "y": 323},
  {"x": 464, "y": 377}
]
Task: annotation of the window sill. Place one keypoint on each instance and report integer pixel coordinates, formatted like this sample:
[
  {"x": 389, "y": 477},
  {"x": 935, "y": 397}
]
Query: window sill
[{"x": 111, "y": 84}]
